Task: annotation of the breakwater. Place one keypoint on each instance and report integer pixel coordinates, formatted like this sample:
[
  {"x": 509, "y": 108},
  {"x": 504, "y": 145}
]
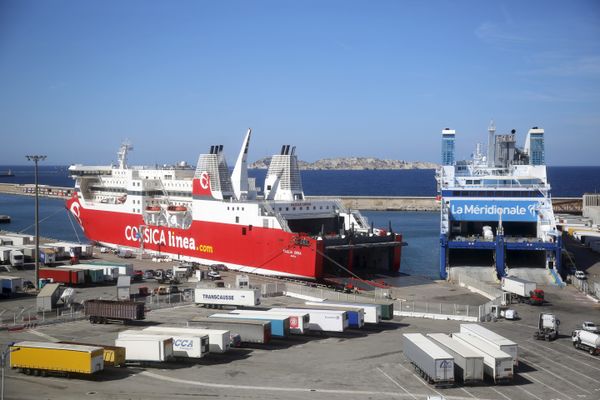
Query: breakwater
[{"x": 372, "y": 203}]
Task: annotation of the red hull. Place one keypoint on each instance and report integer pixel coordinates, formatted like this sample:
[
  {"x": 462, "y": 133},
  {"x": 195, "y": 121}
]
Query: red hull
[{"x": 251, "y": 248}]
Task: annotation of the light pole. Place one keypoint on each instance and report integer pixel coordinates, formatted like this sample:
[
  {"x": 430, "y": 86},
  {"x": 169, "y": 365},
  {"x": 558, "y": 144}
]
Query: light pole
[
  {"x": 5, "y": 352},
  {"x": 36, "y": 159}
]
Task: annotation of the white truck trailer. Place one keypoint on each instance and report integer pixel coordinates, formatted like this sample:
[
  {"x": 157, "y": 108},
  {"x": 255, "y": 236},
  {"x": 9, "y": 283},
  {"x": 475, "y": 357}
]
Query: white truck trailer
[
  {"x": 371, "y": 313},
  {"x": 218, "y": 297},
  {"x": 299, "y": 321},
  {"x": 430, "y": 360},
  {"x": 322, "y": 320},
  {"x": 588, "y": 341},
  {"x": 187, "y": 342},
  {"x": 500, "y": 342},
  {"x": 497, "y": 364},
  {"x": 144, "y": 347},
  {"x": 468, "y": 363},
  {"x": 11, "y": 284},
  {"x": 219, "y": 340}
]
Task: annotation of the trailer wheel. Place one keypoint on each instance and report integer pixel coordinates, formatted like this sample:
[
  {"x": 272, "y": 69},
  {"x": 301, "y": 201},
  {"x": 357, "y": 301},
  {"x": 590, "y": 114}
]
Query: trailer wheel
[
  {"x": 592, "y": 351},
  {"x": 547, "y": 338},
  {"x": 43, "y": 373},
  {"x": 26, "y": 371}
]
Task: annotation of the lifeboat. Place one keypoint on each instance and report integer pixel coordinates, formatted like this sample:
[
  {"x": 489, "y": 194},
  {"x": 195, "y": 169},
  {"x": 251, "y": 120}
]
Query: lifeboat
[
  {"x": 177, "y": 208},
  {"x": 153, "y": 209}
]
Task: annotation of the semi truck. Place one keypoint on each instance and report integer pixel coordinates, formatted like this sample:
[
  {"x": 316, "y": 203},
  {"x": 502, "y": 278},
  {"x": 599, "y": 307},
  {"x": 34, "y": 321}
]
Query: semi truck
[
  {"x": 40, "y": 358},
  {"x": 11, "y": 256},
  {"x": 219, "y": 297},
  {"x": 468, "y": 363},
  {"x": 145, "y": 347},
  {"x": 499, "y": 342},
  {"x": 104, "y": 311},
  {"x": 497, "y": 364},
  {"x": 587, "y": 341},
  {"x": 521, "y": 290},
  {"x": 250, "y": 331},
  {"x": 113, "y": 356},
  {"x": 299, "y": 321},
  {"x": 219, "y": 340},
  {"x": 280, "y": 324},
  {"x": 322, "y": 320},
  {"x": 430, "y": 360},
  {"x": 547, "y": 327},
  {"x": 187, "y": 342}
]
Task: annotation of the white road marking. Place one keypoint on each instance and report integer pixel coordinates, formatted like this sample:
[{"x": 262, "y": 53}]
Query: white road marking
[
  {"x": 467, "y": 392},
  {"x": 44, "y": 335},
  {"x": 556, "y": 375},
  {"x": 565, "y": 355},
  {"x": 501, "y": 394},
  {"x": 420, "y": 380},
  {"x": 529, "y": 393},
  {"x": 562, "y": 366},
  {"x": 527, "y": 375},
  {"x": 395, "y": 383}
]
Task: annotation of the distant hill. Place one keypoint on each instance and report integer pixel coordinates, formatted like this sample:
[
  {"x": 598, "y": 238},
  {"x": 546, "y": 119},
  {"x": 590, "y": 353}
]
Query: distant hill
[{"x": 351, "y": 163}]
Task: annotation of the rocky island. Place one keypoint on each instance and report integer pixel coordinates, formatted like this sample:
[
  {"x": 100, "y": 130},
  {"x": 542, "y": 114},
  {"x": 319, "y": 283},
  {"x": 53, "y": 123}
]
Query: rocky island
[{"x": 351, "y": 163}]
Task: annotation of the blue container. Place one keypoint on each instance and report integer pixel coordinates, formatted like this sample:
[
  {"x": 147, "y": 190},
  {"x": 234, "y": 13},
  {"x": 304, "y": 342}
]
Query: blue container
[{"x": 353, "y": 319}]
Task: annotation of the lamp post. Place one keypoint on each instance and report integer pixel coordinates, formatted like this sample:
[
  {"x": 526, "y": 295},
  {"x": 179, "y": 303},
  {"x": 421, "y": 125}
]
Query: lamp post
[
  {"x": 5, "y": 352},
  {"x": 36, "y": 159}
]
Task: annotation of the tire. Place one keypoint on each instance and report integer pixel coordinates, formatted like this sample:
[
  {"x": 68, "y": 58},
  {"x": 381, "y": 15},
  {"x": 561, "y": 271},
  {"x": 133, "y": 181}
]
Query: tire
[
  {"x": 592, "y": 351},
  {"x": 27, "y": 371}
]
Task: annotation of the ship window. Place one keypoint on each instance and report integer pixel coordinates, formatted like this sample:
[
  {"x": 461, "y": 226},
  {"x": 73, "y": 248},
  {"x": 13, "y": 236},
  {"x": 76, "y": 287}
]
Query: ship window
[
  {"x": 243, "y": 231},
  {"x": 237, "y": 220},
  {"x": 279, "y": 208},
  {"x": 320, "y": 207},
  {"x": 249, "y": 227},
  {"x": 287, "y": 209},
  {"x": 227, "y": 208},
  {"x": 294, "y": 208}
]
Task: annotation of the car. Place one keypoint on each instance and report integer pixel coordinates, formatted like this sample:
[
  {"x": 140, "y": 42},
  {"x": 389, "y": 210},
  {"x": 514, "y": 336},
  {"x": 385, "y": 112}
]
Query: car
[
  {"x": 138, "y": 275},
  {"x": 580, "y": 275},
  {"x": 214, "y": 275},
  {"x": 159, "y": 273},
  {"x": 219, "y": 267},
  {"x": 149, "y": 274},
  {"x": 589, "y": 326},
  {"x": 28, "y": 285}
]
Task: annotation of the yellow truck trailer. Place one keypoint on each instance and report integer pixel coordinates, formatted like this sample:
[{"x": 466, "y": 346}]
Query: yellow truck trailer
[
  {"x": 39, "y": 358},
  {"x": 114, "y": 356}
]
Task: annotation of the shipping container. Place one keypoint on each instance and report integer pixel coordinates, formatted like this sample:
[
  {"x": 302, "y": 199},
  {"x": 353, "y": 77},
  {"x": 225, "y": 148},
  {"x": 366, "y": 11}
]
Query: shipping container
[
  {"x": 141, "y": 346},
  {"x": 356, "y": 315},
  {"x": 90, "y": 275},
  {"x": 11, "y": 284},
  {"x": 500, "y": 342},
  {"x": 41, "y": 357},
  {"x": 229, "y": 297},
  {"x": 219, "y": 340},
  {"x": 102, "y": 311},
  {"x": 280, "y": 324},
  {"x": 250, "y": 331},
  {"x": 468, "y": 363},
  {"x": 122, "y": 269},
  {"x": 322, "y": 320},
  {"x": 298, "y": 321},
  {"x": 430, "y": 360},
  {"x": 187, "y": 342},
  {"x": 110, "y": 273},
  {"x": 387, "y": 309},
  {"x": 113, "y": 356},
  {"x": 372, "y": 311},
  {"x": 497, "y": 364},
  {"x": 67, "y": 276}
]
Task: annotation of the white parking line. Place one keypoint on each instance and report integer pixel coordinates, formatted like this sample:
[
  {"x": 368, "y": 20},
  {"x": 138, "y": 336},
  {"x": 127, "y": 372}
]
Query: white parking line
[
  {"x": 396, "y": 383},
  {"x": 421, "y": 380},
  {"x": 567, "y": 356},
  {"x": 500, "y": 393},
  {"x": 529, "y": 393},
  {"x": 556, "y": 375},
  {"x": 44, "y": 335},
  {"x": 528, "y": 376},
  {"x": 561, "y": 364},
  {"x": 467, "y": 392}
]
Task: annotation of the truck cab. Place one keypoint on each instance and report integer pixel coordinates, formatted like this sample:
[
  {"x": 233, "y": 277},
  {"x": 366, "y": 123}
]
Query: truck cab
[{"x": 16, "y": 258}]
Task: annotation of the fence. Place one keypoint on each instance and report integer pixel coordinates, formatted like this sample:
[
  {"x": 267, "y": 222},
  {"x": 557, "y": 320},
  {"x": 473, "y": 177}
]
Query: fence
[{"x": 587, "y": 287}]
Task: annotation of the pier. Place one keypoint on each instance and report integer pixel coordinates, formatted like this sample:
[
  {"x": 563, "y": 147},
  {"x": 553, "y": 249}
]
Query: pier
[{"x": 571, "y": 205}]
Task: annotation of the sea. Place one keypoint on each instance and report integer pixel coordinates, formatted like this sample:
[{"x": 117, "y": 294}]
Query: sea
[{"x": 419, "y": 229}]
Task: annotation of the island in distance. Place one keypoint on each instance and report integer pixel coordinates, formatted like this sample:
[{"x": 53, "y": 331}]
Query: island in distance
[{"x": 351, "y": 163}]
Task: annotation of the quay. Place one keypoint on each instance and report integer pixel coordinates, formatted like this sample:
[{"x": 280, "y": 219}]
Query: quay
[{"x": 572, "y": 205}]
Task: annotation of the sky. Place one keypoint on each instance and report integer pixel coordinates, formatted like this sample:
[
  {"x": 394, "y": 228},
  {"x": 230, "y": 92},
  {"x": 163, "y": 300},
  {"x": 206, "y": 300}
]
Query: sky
[{"x": 334, "y": 78}]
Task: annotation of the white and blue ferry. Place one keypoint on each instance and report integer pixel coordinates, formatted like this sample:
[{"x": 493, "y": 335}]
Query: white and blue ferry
[{"x": 496, "y": 209}]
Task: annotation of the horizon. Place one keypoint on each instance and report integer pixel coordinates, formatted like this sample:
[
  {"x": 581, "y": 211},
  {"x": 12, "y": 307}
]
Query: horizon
[{"x": 335, "y": 79}]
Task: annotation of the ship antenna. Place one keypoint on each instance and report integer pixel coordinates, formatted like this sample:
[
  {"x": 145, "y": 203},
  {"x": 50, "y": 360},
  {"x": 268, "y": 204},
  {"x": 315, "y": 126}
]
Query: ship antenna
[
  {"x": 490, "y": 149},
  {"x": 122, "y": 153}
]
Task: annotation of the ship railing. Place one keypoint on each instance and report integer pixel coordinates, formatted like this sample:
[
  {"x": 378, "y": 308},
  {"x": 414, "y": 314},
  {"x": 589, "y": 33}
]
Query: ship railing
[{"x": 270, "y": 211}]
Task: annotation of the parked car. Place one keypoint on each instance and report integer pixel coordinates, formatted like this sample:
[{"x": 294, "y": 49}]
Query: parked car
[
  {"x": 138, "y": 275},
  {"x": 580, "y": 275},
  {"x": 149, "y": 274},
  {"x": 214, "y": 275},
  {"x": 589, "y": 326},
  {"x": 219, "y": 267},
  {"x": 28, "y": 285},
  {"x": 159, "y": 273}
]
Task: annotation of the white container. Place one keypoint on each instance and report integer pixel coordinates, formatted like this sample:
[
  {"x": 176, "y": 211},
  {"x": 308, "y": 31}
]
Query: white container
[
  {"x": 321, "y": 320},
  {"x": 520, "y": 287},
  {"x": 497, "y": 364},
  {"x": 230, "y": 297},
  {"x": 430, "y": 358},
  {"x": 141, "y": 346},
  {"x": 299, "y": 321},
  {"x": 468, "y": 363},
  {"x": 219, "y": 340},
  {"x": 187, "y": 342},
  {"x": 250, "y": 331},
  {"x": 500, "y": 342},
  {"x": 371, "y": 313}
]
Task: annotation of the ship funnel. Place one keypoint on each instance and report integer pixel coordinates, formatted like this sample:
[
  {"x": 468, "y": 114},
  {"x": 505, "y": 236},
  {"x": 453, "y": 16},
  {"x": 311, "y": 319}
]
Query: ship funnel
[
  {"x": 215, "y": 165},
  {"x": 283, "y": 180},
  {"x": 491, "y": 144},
  {"x": 239, "y": 176}
]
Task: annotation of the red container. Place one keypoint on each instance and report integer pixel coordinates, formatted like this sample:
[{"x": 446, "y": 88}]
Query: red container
[{"x": 63, "y": 275}]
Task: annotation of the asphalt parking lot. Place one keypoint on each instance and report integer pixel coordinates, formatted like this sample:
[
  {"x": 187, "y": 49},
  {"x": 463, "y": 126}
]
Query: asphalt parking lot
[{"x": 358, "y": 364}]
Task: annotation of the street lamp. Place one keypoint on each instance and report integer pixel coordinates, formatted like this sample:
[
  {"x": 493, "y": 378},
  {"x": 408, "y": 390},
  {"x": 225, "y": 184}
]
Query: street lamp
[
  {"x": 36, "y": 159},
  {"x": 5, "y": 352}
]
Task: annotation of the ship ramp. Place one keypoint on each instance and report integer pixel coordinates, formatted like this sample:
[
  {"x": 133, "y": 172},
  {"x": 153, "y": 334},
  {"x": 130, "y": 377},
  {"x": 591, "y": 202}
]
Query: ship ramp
[{"x": 541, "y": 276}]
